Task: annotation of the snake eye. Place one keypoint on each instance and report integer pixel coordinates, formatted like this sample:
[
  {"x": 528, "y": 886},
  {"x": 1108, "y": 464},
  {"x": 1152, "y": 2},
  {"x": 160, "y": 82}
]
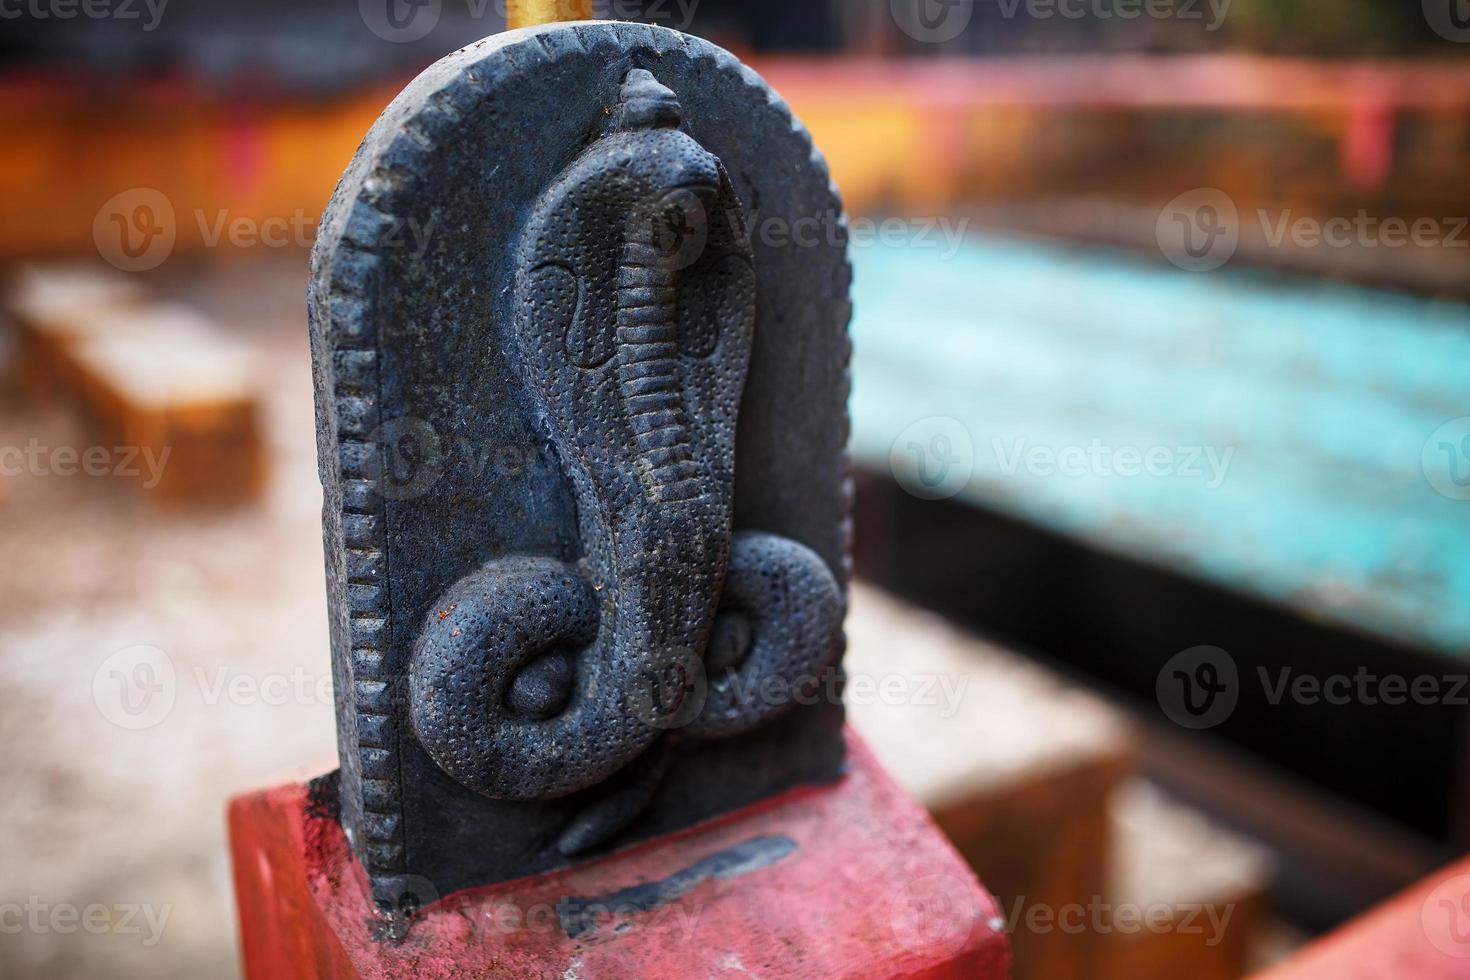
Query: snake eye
[{"x": 542, "y": 690}]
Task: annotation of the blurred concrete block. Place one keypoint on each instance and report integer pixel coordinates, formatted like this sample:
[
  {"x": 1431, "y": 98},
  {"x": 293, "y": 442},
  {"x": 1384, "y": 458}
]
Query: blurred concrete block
[
  {"x": 1099, "y": 875},
  {"x": 165, "y": 379},
  {"x": 1016, "y": 766},
  {"x": 160, "y": 383},
  {"x": 53, "y": 305},
  {"x": 1186, "y": 898}
]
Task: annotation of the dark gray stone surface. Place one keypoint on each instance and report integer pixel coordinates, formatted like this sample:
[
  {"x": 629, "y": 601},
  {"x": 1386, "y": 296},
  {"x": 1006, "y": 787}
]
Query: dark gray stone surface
[{"x": 579, "y": 311}]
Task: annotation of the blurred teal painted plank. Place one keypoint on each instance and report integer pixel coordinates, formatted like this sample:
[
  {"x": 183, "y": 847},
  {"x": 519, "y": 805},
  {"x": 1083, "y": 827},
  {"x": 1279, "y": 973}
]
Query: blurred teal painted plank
[{"x": 1319, "y": 397}]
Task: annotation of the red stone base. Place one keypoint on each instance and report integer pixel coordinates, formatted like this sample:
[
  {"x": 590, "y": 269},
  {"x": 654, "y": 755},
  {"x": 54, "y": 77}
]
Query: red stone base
[
  {"x": 847, "y": 881},
  {"x": 1422, "y": 934}
]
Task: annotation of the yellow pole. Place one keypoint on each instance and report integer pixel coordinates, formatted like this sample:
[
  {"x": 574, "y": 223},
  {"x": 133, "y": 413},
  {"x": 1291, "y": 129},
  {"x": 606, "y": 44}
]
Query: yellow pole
[{"x": 528, "y": 13}]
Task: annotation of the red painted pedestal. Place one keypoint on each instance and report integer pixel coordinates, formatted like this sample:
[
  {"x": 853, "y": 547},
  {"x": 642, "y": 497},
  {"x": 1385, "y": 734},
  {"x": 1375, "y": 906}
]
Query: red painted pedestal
[
  {"x": 1422, "y": 934},
  {"x": 845, "y": 881}
]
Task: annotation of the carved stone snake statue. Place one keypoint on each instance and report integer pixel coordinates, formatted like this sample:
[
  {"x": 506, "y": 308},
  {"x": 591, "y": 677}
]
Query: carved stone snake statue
[{"x": 534, "y": 678}]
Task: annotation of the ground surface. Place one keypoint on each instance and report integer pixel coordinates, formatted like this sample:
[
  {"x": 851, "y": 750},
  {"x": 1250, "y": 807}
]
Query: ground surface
[{"x": 118, "y": 810}]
